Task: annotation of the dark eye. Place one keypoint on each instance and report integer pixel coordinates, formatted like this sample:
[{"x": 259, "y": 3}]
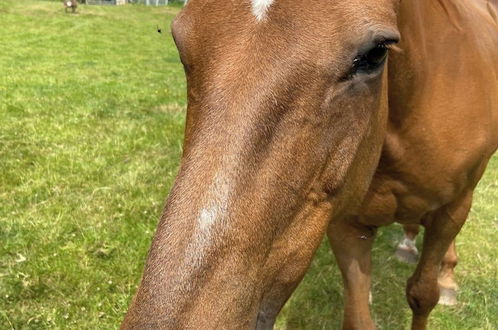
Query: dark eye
[
  {"x": 369, "y": 61},
  {"x": 376, "y": 56}
]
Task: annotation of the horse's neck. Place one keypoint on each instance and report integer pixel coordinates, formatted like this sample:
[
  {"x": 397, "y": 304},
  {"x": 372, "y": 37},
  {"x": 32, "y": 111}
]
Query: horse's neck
[
  {"x": 449, "y": 50},
  {"x": 421, "y": 21},
  {"x": 423, "y": 16},
  {"x": 440, "y": 36}
]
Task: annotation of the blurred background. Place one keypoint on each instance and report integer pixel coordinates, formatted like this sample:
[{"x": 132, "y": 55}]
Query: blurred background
[{"x": 92, "y": 109}]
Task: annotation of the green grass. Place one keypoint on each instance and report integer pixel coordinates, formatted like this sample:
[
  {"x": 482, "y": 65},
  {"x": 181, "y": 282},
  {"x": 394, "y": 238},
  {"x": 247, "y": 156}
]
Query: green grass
[{"x": 92, "y": 109}]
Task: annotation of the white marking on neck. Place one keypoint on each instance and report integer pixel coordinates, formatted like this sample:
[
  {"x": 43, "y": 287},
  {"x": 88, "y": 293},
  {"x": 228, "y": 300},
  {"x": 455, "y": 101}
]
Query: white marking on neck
[
  {"x": 211, "y": 221},
  {"x": 260, "y": 7},
  {"x": 207, "y": 218},
  {"x": 217, "y": 204}
]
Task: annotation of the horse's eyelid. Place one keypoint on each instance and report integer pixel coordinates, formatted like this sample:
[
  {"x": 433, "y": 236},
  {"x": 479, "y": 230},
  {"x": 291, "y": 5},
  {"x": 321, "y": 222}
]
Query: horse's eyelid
[{"x": 386, "y": 42}]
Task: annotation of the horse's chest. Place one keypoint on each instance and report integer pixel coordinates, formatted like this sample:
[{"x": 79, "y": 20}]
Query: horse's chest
[
  {"x": 407, "y": 191},
  {"x": 419, "y": 180},
  {"x": 391, "y": 201}
]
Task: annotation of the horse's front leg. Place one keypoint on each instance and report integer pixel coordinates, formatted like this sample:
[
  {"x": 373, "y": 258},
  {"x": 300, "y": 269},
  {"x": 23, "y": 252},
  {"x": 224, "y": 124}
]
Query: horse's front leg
[
  {"x": 406, "y": 251},
  {"x": 441, "y": 229},
  {"x": 351, "y": 243}
]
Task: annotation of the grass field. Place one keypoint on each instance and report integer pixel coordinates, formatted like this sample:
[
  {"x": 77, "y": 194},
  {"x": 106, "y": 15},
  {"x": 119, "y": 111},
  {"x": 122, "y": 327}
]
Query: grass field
[{"x": 92, "y": 109}]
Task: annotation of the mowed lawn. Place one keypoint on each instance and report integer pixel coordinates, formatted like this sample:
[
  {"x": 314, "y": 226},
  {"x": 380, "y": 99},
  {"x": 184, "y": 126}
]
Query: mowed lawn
[{"x": 92, "y": 110}]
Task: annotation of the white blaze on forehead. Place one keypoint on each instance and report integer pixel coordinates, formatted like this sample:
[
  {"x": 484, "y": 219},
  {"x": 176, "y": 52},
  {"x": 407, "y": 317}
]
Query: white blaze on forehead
[{"x": 259, "y": 8}]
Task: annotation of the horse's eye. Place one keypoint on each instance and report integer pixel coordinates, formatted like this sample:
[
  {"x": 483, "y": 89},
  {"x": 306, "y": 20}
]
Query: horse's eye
[
  {"x": 377, "y": 55},
  {"x": 369, "y": 61}
]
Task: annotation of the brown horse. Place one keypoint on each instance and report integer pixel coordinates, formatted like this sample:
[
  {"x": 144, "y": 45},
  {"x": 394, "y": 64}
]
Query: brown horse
[{"x": 296, "y": 128}]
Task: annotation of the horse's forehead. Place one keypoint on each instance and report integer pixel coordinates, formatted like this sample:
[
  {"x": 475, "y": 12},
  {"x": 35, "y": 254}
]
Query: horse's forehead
[
  {"x": 260, "y": 7},
  {"x": 235, "y": 30},
  {"x": 215, "y": 15}
]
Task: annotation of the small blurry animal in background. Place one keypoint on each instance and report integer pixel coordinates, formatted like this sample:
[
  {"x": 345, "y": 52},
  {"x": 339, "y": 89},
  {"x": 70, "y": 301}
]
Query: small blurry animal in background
[{"x": 70, "y": 4}]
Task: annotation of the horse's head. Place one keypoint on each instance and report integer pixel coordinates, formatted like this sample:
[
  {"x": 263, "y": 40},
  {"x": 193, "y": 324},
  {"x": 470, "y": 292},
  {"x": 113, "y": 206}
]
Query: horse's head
[{"x": 286, "y": 115}]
